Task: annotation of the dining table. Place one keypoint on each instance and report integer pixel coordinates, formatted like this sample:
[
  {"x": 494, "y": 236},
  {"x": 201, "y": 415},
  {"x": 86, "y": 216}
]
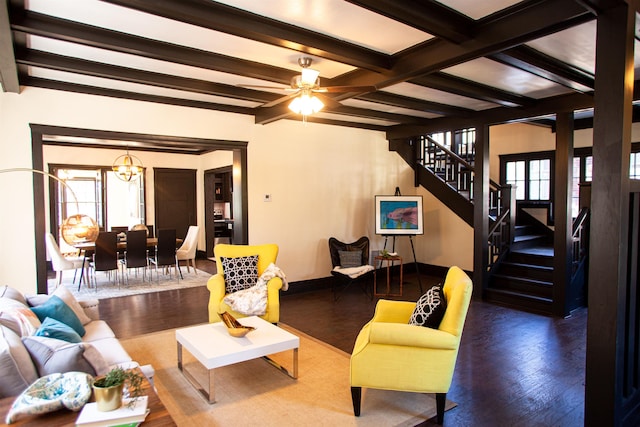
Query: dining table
[{"x": 87, "y": 249}]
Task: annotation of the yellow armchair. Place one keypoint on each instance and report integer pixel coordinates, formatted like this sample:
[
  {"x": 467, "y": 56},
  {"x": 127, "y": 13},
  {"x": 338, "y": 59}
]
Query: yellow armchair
[
  {"x": 267, "y": 254},
  {"x": 391, "y": 354}
]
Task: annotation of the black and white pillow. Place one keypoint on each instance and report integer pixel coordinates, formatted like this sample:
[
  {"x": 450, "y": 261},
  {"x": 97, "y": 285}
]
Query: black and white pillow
[
  {"x": 239, "y": 272},
  {"x": 429, "y": 309},
  {"x": 350, "y": 258}
]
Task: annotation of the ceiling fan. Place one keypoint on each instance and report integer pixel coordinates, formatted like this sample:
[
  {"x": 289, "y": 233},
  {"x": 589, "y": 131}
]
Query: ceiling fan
[{"x": 306, "y": 85}]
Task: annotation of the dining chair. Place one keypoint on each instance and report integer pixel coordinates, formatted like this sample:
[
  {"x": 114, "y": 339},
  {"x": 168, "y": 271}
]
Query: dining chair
[
  {"x": 138, "y": 227},
  {"x": 135, "y": 255},
  {"x": 59, "y": 262},
  {"x": 165, "y": 252},
  {"x": 187, "y": 251},
  {"x": 119, "y": 228},
  {"x": 105, "y": 255}
]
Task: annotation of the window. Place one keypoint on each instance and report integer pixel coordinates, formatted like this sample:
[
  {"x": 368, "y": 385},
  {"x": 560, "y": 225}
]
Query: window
[
  {"x": 634, "y": 166},
  {"x": 539, "y": 179},
  {"x": 101, "y": 195},
  {"x": 516, "y": 178},
  {"x": 442, "y": 138},
  {"x": 465, "y": 142},
  {"x": 529, "y": 174}
]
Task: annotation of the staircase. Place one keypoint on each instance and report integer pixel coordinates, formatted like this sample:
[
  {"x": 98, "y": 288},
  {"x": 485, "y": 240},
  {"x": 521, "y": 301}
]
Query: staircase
[
  {"x": 524, "y": 278},
  {"x": 520, "y": 265}
]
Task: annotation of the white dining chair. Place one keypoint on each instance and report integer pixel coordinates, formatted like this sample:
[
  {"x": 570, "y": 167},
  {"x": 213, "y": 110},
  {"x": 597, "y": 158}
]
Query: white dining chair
[
  {"x": 59, "y": 262},
  {"x": 187, "y": 251}
]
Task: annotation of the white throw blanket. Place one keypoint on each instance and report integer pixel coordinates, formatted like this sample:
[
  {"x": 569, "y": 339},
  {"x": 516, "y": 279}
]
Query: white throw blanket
[
  {"x": 253, "y": 301},
  {"x": 354, "y": 272}
]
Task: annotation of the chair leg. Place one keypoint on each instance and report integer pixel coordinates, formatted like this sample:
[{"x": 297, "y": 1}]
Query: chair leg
[
  {"x": 441, "y": 398},
  {"x": 356, "y": 397}
]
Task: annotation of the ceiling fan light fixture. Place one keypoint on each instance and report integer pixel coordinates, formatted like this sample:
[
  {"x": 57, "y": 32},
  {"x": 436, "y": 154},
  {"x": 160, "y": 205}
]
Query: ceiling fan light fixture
[
  {"x": 306, "y": 105},
  {"x": 310, "y": 77}
]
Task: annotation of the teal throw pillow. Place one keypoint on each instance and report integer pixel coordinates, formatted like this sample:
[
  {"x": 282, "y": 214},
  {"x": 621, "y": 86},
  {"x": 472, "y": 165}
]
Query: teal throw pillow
[
  {"x": 56, "y": 309},
  {"x": 51, "y": 328}
]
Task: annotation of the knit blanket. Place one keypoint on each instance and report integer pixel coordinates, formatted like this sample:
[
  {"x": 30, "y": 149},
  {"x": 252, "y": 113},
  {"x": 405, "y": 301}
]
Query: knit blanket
[
  {"x": 253, "y": 301},
  {"x": 354, "y": 272}
]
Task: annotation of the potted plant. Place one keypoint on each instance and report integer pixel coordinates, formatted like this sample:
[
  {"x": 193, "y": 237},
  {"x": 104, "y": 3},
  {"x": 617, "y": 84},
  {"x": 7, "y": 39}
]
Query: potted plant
[{"x": 108, "y": 389}]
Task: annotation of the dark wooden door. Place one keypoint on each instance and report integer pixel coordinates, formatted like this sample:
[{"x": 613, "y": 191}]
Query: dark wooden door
[{"x": 175, "y": 199}]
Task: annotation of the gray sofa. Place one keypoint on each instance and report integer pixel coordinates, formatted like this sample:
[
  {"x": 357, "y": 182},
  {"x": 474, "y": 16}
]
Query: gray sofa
[{"x": 24, "y": 357}]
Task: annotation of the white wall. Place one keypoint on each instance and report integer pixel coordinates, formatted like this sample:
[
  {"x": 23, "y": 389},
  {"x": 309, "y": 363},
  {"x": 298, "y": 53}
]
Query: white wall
[{"x": 322, "y": 179}]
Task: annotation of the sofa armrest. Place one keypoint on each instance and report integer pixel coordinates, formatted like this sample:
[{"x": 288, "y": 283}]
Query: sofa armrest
[
  {"x": 411, "y": 336},
  {"x": 91, "y": 308}
]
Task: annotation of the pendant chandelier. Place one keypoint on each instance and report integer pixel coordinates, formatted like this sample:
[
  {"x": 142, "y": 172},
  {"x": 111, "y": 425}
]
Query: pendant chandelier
[{"x": 127, "y": 167}]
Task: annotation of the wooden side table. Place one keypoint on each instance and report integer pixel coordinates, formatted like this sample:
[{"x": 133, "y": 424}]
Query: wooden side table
[
  {"x": 158, "y": 416},
  {"x": 390, "y": 260}
]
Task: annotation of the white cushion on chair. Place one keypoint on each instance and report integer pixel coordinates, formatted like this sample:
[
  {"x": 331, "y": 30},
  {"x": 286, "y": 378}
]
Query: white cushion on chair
[{"x": 354, "y": 272}]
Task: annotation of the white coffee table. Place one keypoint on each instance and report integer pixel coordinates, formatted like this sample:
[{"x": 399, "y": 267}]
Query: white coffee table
[{"x": 213, "y": 347}]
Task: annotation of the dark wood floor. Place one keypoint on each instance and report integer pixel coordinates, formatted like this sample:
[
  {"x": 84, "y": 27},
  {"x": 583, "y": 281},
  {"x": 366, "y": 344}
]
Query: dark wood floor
[{"x": 514, "y": 368}]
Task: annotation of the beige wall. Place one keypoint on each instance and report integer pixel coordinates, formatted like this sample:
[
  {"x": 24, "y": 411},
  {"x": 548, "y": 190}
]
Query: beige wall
[{"x": 322, "y": 179}]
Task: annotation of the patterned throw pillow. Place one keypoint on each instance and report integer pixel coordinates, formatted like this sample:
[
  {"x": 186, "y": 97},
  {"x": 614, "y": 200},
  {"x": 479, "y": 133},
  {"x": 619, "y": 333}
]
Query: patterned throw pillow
[
  {"x": 350, "y": 258},
  {"x": 429, "y": 309},
  {"x": 240, "y": 272}
]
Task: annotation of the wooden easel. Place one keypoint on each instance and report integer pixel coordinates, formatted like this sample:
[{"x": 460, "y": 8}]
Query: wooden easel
[{"x": 393, "y": 247}]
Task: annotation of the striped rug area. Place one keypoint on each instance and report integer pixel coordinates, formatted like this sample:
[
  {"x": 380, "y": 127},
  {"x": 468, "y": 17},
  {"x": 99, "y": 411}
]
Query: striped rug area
[{"x": 109, "y": 287}]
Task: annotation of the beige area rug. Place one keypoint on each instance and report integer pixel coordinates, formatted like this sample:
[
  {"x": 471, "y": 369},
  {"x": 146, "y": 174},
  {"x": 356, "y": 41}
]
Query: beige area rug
[
  {"x": 254, "y": 393},
  {"x": 109, "y": 288}
]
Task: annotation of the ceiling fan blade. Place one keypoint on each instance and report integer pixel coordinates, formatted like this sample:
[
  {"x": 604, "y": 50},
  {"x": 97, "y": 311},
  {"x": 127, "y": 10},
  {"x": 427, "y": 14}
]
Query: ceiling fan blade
[
  {"x": 346, "y": 89},
  {"x": 328, "y": 101},
  {"x": 263, "y": 87},
  {"x": 279, "y": 100}
]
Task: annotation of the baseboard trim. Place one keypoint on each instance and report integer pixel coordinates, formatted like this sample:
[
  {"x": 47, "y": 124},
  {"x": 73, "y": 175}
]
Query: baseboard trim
[{"x": 430, "y": 270}]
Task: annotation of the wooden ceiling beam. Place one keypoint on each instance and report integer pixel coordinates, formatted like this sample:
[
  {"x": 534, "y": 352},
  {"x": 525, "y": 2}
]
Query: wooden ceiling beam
[
  {"x": 8, "y": 68},
  {"x": 551, "y": 105},
  {"x": 530, "y": 21},
  {"x": 537, "y": 63},
  {"x": 122, "y": 94},
  {"x": 427, "y": 15},
  {"x": 281, "y": 111},
  {"x": 463, "y": 87},
  {"x": 230, "y": 20},
  {"x": 415, "y": 104},
  {"x": 72, "y": 65},
  {"x": 74, "y": 32}
]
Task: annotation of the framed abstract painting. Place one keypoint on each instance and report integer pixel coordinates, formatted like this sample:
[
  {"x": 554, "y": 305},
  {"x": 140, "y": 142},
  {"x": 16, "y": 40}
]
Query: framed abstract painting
[{"x": 399, "y": 215}]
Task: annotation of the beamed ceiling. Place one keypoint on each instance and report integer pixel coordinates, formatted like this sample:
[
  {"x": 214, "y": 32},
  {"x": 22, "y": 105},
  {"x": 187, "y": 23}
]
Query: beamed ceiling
[{"x": 429, "y": 65}]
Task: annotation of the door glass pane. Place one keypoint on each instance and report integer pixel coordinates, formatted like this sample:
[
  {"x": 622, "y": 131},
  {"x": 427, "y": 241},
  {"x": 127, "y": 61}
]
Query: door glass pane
[{"x": 125, "y": 206}]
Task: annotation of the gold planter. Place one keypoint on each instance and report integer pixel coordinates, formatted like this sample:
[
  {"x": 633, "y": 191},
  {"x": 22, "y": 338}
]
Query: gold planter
[{"x": 108, "y": 398}]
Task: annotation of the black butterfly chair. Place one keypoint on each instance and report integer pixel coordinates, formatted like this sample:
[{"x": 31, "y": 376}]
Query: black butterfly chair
[{"x": 347, "y": 255}]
